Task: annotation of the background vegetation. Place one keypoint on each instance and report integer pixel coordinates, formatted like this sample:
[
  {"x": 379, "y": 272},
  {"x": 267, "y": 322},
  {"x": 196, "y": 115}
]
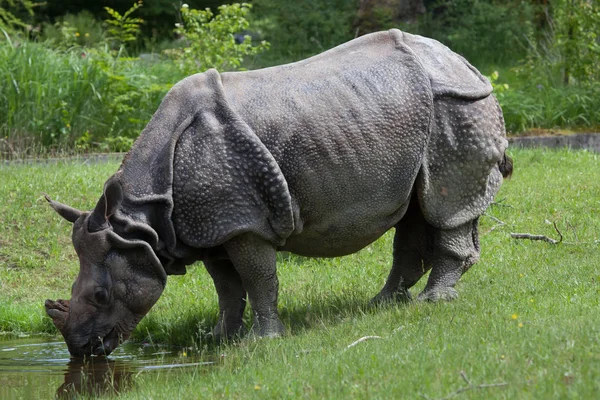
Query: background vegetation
[{"x": 89, "y": 79}]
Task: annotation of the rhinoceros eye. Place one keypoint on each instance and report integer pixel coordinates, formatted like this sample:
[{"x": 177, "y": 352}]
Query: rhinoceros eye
[{"x": 101, "y": 296}]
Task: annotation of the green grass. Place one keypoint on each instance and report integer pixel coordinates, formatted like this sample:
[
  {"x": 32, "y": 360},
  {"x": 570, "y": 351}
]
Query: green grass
[{"x": 527, "y": 314}]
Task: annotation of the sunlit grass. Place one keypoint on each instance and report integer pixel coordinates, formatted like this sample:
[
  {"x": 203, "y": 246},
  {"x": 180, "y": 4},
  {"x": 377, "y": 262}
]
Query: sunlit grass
[{"x": 527, "y": 314}]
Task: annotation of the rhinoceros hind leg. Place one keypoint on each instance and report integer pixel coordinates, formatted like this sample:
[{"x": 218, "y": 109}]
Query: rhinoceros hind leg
[
  {"x": 410, "y": 248},
  {"x": 454, "y": 252},
  {"x": 232, "y": 298},
  {"x": 255, "y": 261}
]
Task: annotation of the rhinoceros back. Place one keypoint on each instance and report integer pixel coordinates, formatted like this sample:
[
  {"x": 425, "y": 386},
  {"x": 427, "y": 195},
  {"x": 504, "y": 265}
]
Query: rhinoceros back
[{"x": 348, "y": 129}]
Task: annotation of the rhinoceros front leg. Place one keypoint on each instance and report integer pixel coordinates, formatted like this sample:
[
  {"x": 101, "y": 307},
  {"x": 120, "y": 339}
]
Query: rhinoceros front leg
[
  {"x": 454, "y": 252},
  {"x": 255, "y": 261},
  {"x": 232, "y": 298}
]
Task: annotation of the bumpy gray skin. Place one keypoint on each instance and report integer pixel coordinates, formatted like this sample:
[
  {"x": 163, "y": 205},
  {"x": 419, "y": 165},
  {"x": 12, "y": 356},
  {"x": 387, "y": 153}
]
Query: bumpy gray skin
[{"x": 318, "y": 158}]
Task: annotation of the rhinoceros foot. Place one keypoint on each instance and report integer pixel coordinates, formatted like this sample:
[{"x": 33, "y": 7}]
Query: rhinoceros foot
[
  {"x": 267, "y": 327},
  {"x": 438, "y": 294},
  {"x": 227, "y": 332},
  {"x": 397, "y": 296}
]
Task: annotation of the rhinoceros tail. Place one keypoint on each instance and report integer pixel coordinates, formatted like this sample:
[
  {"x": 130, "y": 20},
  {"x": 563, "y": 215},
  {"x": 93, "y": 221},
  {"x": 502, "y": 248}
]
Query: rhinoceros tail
[{"x": 506, "y": 166}]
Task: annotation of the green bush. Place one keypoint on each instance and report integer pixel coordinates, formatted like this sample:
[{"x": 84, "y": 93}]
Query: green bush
[
  {"x": 210, "y": 39},
  {"x": 569, "y": 52},
  {"x": 80, "y": 29}
]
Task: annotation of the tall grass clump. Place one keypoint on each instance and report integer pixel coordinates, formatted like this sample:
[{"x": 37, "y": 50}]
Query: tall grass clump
[
  {"x": 65, "y": 93},
  {"x": 44, "y": 93},
  {"x": 551, "y": 107},
  {"x": 59, "y": 99}
]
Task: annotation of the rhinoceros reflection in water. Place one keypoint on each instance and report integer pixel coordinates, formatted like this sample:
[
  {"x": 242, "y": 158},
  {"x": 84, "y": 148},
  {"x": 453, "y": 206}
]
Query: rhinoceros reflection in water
[
  {"x": 95, "y": 376},
  {"x": 319, "y": 158}
]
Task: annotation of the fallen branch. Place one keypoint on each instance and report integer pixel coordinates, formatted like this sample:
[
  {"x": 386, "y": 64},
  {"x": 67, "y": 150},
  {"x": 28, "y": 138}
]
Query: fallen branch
[
  {"x": 498, "y": 221},
  {"x": 500, "y": 204},
  {"x": 539, "y": 237},
  {"x": 469, "y": 386},
  {"x": 362, "y": 339}
]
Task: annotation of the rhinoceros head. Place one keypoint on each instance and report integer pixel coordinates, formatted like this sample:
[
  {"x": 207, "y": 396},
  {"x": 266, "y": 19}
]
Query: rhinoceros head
[{"x": 120, "y": 279}]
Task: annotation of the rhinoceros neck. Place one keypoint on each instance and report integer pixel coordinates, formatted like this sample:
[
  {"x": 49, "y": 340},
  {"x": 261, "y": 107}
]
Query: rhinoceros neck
[
  {"x": 147, "y": 170},
  {"x": 145, "y": 221}
]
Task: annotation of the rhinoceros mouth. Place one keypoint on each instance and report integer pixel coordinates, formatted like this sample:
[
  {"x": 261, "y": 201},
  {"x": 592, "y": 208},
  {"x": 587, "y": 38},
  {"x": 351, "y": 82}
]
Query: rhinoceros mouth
[
  {"x": 100, "y": 345},
  {"x": 103, "y": 346}
]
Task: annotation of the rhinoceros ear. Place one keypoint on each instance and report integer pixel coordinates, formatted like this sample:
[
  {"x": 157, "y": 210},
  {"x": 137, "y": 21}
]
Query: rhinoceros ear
[
  {"x": 69, "y": 213},
  {"x": 107, "y": 205}
]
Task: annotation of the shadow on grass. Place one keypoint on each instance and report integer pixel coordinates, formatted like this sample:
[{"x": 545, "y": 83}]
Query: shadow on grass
[{"x": 194, "y": 328}]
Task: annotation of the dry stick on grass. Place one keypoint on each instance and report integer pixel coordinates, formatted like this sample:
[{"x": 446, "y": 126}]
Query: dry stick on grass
[
  {"x": 538, "y": 237},
  {"x": 362, "y": 339},
  {"x": 469, "y": 386},
  {"x": 500, "y": 204},
  {"x": 495, "y": 219},
  {"x": 498, "y": 221}
]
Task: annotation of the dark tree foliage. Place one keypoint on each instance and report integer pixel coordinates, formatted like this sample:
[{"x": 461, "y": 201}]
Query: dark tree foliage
[
  {"x": 160, "y": 15},
  {"x": 298, "y": 29}
]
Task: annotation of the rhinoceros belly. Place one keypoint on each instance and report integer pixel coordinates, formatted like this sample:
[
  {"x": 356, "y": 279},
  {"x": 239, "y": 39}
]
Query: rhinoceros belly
[{"x": 343, "y": 230}]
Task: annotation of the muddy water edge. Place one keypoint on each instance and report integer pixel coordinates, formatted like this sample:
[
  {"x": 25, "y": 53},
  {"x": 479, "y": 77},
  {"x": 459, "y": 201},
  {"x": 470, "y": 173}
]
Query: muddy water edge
[{"x": 41, "y": 368}]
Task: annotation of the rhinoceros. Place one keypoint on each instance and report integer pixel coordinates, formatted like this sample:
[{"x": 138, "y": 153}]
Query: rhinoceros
[{"x": 318, "y": 158}]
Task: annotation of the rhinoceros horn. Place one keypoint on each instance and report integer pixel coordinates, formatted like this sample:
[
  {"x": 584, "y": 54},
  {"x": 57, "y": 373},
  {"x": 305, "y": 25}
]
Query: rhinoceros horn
[{"x": 58, "y": 311}]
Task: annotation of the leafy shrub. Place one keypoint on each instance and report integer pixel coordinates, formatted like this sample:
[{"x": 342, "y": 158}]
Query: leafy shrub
[
  {"x": 9, "y": 19},
  {"x": 123, "y": 29},
  {"x": 570, "y": 51},
  {"x": 80, "y": 29},
  {"x": 210, "y": 40}
]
